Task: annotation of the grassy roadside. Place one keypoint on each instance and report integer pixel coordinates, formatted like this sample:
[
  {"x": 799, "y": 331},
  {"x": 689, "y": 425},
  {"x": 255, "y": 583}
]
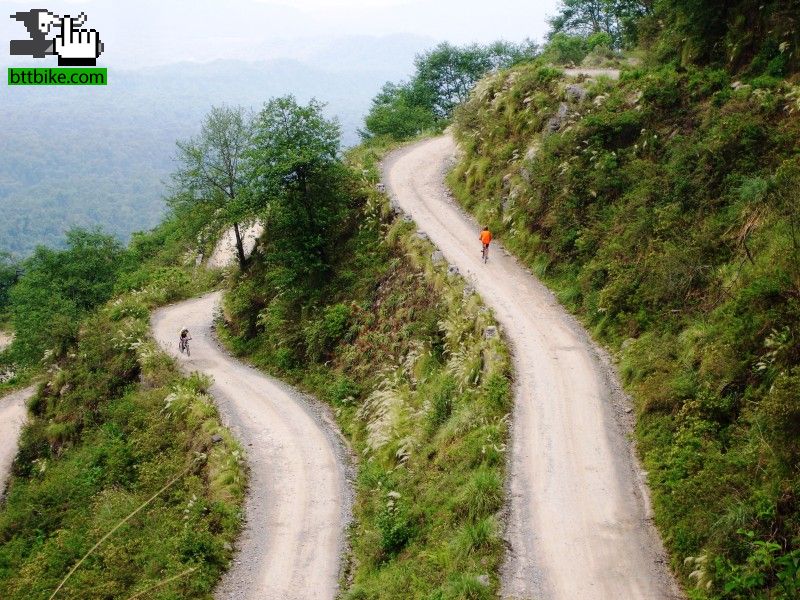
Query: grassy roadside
[
  {"x": 112, "y": 425},
  {"x": 662, "y": 210},
  {"x": 397, "y": 346}
]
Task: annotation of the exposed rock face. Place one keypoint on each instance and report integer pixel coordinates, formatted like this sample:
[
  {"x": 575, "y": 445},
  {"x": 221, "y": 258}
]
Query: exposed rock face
[
  {"x": 576, "y": 92},
  {"x": 532, "y": 151},
  {"x": 556, "y": 122}
]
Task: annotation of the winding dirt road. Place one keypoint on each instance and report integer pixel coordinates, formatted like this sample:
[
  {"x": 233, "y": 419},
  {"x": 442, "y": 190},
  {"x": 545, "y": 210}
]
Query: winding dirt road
[
  {"x": 299, "y": 500},
  {"x": 578, "y": 520},
  {"x": 12, "y": 418}
]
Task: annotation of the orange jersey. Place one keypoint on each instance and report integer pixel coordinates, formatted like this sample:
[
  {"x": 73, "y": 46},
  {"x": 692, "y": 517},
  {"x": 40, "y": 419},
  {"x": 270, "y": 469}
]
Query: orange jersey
[{"x": 486, "y": 236}]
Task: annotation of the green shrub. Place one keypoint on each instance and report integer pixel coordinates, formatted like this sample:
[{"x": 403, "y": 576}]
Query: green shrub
[
  {"x": 780, "y": 410},
  {"x": 395, "y": 526},
  {"x": 321, "y": 335},
  {"x": 565, "y": 49},
  {"x": 441, "y": 399},
  {"x": 476, "y": 536},
  {"x": 601, "y": 39},
  {"x": 343, "y": 390},
  {"x": 466, "y": 587},
  {"x": 481, "y": 497}
]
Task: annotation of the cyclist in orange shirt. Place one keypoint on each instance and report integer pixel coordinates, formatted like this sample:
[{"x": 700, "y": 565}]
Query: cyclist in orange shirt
[{"x": 486, "y": 239}]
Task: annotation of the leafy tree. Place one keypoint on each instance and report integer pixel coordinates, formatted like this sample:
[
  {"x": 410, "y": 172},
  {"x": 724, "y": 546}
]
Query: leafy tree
[
  {"x": 58, "y": 287},
  {"x": 617, "y": 18},
  {"x": 444, "y": 78},
  {"x": 564, "y": 49},
  {"x": 399, "y": 110},
  {"x": 8, "y": 276},
  {"x": 298, "y": 183},
  {"x": 211, "y": 168},
  {"x": 449, "y": 73}
]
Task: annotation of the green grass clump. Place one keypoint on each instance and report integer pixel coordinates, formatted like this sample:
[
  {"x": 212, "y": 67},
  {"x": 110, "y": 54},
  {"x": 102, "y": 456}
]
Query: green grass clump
[
  {"x": 663, "y": 211},
  {"x": 397, "y": 346}
]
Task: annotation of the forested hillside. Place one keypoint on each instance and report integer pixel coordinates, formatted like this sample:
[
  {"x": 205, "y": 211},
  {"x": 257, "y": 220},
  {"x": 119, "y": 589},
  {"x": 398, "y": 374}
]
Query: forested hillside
[
  {"x": 663, "y": 208},
  {"x": 342, "y": 298}
]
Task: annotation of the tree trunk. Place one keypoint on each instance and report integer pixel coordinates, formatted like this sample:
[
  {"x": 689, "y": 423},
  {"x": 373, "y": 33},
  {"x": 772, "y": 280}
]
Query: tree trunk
[{"x": 239, "y": 247}]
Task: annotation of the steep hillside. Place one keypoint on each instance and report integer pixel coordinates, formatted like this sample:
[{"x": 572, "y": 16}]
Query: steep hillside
[
  {"x": 419, "y": 379},
  {"x": 663, "y": 209},
  {"x": 122, "y": 451},
  {"x": 751, "y": 36}
]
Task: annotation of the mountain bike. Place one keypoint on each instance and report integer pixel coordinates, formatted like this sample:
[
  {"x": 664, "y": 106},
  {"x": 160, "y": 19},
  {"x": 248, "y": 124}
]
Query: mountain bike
[
  {"x": 485, "y": 253},
  {"x": 183, "y": 346}
]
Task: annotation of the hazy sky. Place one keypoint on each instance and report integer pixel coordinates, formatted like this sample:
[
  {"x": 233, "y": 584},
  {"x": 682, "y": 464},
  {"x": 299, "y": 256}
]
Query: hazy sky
[{"x": 149, "y": 32}]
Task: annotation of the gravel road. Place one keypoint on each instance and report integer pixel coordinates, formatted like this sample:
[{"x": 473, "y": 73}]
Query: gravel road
[
  {"x": 298, "y": 504},
  {"x": 578, "y": 522},
  {"x": 12, "y": 418}
]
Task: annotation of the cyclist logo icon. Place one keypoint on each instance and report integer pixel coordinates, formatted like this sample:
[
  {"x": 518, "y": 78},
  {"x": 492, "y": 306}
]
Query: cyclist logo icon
[{"x": 74, "y": 46}]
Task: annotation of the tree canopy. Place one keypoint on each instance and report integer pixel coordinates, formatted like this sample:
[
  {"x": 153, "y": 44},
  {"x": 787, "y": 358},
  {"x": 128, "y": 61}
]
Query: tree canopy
[
  {"x": 443, "y": 79},
  {"x": 211, "y": 167},
  {"x": 8, "y": 276},
  {"x": 58, "y": 287},
  {"x": 298, "y": 184},
  {"x": 615, "y": 18}
]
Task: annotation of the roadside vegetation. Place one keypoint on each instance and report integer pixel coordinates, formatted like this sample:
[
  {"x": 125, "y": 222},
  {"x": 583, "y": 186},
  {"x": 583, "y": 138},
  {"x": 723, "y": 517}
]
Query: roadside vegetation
[
  {"x": 663, "y": 209},
  {"x": 345, "y": 300},
  {"x": 113, "y": 423}
]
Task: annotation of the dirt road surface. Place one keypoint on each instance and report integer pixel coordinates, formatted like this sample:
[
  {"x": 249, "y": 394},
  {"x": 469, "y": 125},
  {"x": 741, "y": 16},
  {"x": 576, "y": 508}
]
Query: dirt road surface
[
  {"x": 612, "y": 73},
  {"x": 298, "y": 504},
  {"x": 12, "y": 418},
  {"x": 578, "y": 520}
]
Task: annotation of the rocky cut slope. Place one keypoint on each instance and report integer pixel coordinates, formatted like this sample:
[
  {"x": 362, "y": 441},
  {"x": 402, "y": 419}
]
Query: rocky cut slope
[{"x": 663, "y": 210}]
